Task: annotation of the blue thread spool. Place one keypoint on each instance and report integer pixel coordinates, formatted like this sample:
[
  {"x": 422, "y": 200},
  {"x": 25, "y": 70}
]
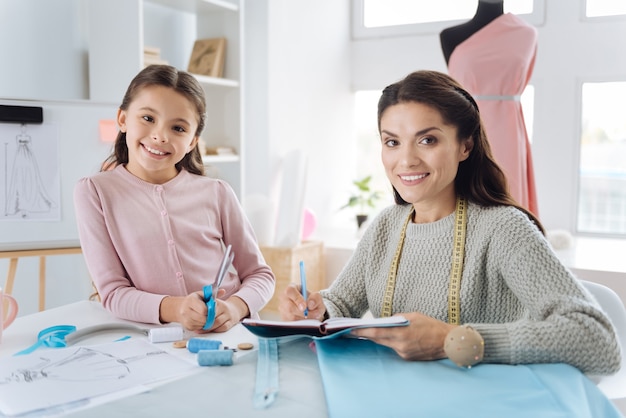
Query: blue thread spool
[
  {"x": 194, "y": 345},
  {"x": 215, "y": 357}
]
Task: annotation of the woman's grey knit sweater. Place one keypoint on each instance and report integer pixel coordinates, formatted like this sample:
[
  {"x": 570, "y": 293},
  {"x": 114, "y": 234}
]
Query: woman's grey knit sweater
[{"x": 527, "y": 306}]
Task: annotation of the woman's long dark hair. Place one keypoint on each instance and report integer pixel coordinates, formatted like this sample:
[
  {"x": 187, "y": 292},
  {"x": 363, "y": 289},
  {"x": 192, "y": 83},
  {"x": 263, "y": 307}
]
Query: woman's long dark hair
[
  {"x": 479, "y": 178},
  {"x": 183, "y": 83}
]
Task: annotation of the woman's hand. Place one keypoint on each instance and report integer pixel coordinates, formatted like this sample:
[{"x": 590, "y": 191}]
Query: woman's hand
[
  {"x": 292, "y": 305},
  {"x": 422, "y": 339}
]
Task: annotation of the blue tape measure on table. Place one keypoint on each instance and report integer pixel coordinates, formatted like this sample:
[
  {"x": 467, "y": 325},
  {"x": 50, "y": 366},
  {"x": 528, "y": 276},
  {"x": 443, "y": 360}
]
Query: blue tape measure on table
[
  {"x": 50, "y": 337},
  {"x": 266, "y": 373},
  {"x": 59, "y": 336}
]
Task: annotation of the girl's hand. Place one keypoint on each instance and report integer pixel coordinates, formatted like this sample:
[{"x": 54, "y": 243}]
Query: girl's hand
[
  {"x": 228, "y": 313},
  {"x": 422, "y": 339},
  {"x": 292, "y": 305},
  {"x": 190, "y": 311}
]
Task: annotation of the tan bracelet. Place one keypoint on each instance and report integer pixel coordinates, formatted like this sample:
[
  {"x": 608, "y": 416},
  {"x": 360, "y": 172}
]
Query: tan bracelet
[{"x": 464, "y": 346}]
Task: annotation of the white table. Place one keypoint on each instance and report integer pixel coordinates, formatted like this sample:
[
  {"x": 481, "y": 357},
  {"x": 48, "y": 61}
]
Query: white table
[{"x": 214, "y": 391}]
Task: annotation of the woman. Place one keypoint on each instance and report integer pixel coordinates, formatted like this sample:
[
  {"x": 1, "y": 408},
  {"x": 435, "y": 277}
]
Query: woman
[{"x": 457, "y": 250}]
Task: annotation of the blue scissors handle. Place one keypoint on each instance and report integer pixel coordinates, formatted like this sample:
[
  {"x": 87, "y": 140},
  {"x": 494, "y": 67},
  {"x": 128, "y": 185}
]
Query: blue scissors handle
[
  {"x": 210, "y": 291},
  {"x": 210, "y": 304}
]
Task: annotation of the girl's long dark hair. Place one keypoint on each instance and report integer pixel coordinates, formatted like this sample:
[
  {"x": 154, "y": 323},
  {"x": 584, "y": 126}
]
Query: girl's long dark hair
[
  {"x": 183, "y": 83},
  {"x": 479, "y": 179}
]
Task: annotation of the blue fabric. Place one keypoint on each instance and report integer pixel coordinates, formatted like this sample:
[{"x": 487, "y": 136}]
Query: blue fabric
[{"x": 364, "y": 379}]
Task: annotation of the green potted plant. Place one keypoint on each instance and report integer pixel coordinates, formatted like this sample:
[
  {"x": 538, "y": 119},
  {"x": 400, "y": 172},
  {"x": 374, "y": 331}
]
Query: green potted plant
[{"x": 363, "y": 199}]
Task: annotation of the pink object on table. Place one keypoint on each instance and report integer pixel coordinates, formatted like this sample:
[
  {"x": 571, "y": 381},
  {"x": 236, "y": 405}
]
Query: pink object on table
[
  {"x": 12, "y": 312},
  {"x": 308, "y": 224}
]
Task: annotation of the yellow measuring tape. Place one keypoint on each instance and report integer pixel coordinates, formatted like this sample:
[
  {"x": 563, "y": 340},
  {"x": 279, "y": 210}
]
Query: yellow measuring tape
[
  {"x": 391, "y": 279},
  {"x": 458, "y": 254}
]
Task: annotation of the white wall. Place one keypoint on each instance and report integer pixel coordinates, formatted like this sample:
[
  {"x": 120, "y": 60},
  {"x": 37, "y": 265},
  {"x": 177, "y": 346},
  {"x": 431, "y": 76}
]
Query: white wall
[
  {"x": 299, "y": 96},
  {"x": 52, "y": 64}
]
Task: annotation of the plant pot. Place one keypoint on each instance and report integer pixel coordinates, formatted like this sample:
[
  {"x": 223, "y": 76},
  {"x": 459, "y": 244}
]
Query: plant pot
[{"x": 360, "y": 219}]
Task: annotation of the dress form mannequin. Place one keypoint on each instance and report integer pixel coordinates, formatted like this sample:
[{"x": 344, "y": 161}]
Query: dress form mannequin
[
  {"x": 478, "y": 55},
  {"x": 487, "y": 11}
]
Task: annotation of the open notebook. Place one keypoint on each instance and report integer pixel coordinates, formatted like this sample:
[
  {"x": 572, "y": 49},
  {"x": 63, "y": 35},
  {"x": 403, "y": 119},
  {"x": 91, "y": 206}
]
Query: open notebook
[{"x": 315, "y": 328}]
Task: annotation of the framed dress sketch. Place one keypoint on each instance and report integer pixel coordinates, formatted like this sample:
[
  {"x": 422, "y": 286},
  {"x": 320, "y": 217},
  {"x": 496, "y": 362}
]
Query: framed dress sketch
[{"x": 207, "y": 57}]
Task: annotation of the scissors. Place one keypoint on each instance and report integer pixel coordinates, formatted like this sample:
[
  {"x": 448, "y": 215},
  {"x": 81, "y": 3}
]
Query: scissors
[{"x": 210, "y": 291}]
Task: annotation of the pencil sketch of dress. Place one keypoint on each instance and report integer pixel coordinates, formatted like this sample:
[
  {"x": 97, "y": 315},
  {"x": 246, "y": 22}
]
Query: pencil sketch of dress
[
  {"x": 26, "y": 193},
  {"x": 85, "y": 364},
  {"x": 62, "y": 379}
]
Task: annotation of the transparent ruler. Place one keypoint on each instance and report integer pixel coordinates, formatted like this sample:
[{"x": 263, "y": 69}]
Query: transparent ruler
[{"x": 266, "y": 373}]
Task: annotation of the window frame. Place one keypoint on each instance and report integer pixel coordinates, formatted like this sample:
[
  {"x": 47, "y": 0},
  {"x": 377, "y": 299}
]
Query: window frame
[
  {"x": 580, "y": 81},
  {"x": 359, "y": 31},
  {"x": 585, "y": 18}
]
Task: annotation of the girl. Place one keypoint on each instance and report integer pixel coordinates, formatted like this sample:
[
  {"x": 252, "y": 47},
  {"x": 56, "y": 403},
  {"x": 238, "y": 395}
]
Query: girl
[
  {"x": 152, "y": 227},
  {"x": 457, "y": 250}
]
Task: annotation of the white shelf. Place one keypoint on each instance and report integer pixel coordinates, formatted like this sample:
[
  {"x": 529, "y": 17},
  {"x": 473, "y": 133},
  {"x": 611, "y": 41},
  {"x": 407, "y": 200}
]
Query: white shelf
[
  {"x": 595, "y": 254},
  {"x": 216, "y": 159},
  {"x": 198, "y": 6},
  {"x": 216, "y": 81}
]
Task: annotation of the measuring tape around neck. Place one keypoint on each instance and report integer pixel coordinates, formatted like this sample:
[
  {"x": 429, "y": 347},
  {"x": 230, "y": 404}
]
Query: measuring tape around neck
[
  {"x": 391, "y": 279},
  {"x": 458, "y": 254}
]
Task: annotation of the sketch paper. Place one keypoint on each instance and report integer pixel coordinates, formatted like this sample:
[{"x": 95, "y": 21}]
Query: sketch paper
[
  {"x": 50, "y": 378},
  {"x": 30, "y": 174}
]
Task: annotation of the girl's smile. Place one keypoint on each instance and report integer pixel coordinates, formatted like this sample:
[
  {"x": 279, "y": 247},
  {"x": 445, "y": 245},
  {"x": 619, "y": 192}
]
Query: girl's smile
[
  {"x": 160, "y": 126},
  {"x": 154, "y": 151}
]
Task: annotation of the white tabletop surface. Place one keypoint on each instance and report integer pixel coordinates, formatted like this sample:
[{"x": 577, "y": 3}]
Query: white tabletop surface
[{"x": 214, "y": 391}]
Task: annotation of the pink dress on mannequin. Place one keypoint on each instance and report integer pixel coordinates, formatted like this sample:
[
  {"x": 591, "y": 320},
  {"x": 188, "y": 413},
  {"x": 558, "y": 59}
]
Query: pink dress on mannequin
[{"x": 494, "y": 64}]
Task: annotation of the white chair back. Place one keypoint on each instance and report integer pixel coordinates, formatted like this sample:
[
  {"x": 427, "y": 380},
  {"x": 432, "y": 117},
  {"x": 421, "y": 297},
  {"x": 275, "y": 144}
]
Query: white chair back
[{"x": 614, "y": 386}]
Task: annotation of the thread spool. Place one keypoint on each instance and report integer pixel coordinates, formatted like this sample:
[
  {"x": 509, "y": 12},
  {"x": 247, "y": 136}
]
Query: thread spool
[
  {"x": 194, "y": 345},
  {"x": 215, "y": 358},
  {"x": 165, "y": 334}
]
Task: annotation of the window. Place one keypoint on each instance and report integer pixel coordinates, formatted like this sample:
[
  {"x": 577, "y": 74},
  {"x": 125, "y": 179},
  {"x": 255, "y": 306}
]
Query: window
[
  {"x": 602, "y": 177},
  {"x": 368, "y": 142},
  {"x": 378, "y": 13},
  {"x": 374, "y": 18},
  {"x": 596, "y": 8}
]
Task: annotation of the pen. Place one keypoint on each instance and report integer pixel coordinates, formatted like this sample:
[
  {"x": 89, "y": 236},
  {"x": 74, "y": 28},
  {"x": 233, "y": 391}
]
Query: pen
[{"x": 303, "y": 285}]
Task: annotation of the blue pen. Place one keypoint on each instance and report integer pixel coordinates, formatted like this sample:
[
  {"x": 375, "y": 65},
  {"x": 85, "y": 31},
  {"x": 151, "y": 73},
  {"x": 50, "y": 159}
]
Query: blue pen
[{"x": 303, "y": 285}]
